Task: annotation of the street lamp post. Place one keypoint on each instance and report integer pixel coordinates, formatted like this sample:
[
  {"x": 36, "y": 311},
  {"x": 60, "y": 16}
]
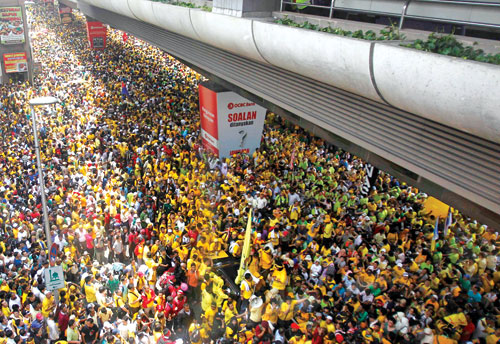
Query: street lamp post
[{"x": 40, "y": 102}]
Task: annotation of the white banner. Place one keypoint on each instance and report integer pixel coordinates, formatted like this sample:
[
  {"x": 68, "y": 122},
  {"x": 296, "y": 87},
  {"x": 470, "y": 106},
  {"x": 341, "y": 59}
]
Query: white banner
[{"x": 240, "y": 124}]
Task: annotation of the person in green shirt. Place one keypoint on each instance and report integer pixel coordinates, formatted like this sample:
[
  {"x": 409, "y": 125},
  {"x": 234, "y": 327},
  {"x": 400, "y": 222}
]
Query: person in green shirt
[
  {"x": 375, "y": 289},
  {"x": 72, "y": 333},
  {"x": 427, "y": 265},
  {"x": 113, "y": 283},
  {"x": 465, "y": 282},
  {"x": 454, "y": 256}
]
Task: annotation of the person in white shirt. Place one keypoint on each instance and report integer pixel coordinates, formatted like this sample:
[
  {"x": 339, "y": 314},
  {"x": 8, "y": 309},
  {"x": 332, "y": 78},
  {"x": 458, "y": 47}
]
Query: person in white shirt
[
  {"x": 315, "y": 271},
  {"x": 14, "y": 300},
  {"x": 52, "y": 328}
]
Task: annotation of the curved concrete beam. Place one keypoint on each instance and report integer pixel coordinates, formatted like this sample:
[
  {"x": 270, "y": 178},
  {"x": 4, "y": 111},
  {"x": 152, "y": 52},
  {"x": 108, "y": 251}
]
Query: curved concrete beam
[
  {"x": 461, "y": 94},
  {"x": 335, "y": 60},
  {"x": 225, "y": 32}
]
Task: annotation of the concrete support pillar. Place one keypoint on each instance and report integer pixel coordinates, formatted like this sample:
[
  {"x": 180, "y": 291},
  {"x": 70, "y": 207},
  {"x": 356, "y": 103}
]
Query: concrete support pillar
[{"x": 246, "y": 8}]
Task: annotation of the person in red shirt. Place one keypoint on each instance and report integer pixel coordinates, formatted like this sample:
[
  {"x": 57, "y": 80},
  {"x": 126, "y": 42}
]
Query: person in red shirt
[
  {"x": 89, "y": 242},
  {"x": 264, "y": 333},
  {"x": 193, "y": 234},
  {"x": 178, "y": 302},
  {"x": 168, "y": 309},
  {"x": 148, "y": 300},
  {"x": 468, "y": 330},
  {"x": 131, "y": 243},
  {"x": 63, "y": 318}
]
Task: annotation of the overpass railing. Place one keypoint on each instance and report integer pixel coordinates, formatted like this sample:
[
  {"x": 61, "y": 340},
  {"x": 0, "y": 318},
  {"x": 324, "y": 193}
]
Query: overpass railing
[{"x": 403, "y": 13}]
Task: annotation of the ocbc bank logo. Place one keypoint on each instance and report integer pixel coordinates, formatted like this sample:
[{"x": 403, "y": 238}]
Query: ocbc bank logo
[{"x": 231, "y": 106}]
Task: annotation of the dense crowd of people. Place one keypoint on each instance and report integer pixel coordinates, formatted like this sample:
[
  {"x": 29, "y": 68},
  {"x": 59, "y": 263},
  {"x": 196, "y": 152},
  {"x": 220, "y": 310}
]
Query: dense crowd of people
[{"x": 141, "y": 214}]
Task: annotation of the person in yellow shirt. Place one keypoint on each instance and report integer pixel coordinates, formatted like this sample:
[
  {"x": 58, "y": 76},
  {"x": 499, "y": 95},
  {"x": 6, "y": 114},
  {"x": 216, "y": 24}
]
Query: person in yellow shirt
[
  {"x": 90, "y": 293},
  {"x": 297, "y": 337},
  {"x": 328, "y": 324},
  {"x": 286, "y": 311},
  {"x": 247, "y": 287},
  {"x": 253, "y": 266},
  {"x": 271, "y": 312},
  {"x": 5, "y": 308},
  {"x": 4, "y": 286},
  {"x": 48, "y": 304},
  {"x": 493, "y": 338},
  {"x": 134, "y": 300},
  {"x": 207, "y": 298},
  {"x": 194, "y": 332},
  {"x": 232, "y": 328},
  {"x": 367, "y": 278},
  {"x": 279, "y": 278},
  {"x": 210, "y": 315},
  {"x": 229, "y": 311}
]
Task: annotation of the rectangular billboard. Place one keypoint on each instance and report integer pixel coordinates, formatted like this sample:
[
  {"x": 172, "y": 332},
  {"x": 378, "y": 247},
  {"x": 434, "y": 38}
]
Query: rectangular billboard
[
  {"x": 240, "y": 124},
  {"x": 230, "y": 124},
  {"x": 208, "y": 118},
  {"x": 96, "y": 33},
  {"x": 15, "y": 62},
  {"x": 11, "y": 25},
  {"x": 65, "y": 12}
]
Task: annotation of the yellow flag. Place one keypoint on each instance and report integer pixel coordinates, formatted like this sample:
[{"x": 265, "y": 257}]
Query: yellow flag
[{"x": 246, "y": 248}]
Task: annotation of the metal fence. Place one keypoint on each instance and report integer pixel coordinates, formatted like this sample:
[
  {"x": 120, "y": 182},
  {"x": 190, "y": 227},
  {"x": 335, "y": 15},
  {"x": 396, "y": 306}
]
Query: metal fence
[{"x": 404, "y": 10}]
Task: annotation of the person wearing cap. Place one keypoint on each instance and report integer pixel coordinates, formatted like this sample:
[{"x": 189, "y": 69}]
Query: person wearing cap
[
  {"x": 255, "y": 309},
  {"x": 38, "y": 323},
  {"x": 297, "y": 337},
  {"x": 328, "y": 324}
]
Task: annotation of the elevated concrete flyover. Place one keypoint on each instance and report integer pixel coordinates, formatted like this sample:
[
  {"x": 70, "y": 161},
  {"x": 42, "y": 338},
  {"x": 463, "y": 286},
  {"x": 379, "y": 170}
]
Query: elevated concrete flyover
[{"x": 430, "y": 120}]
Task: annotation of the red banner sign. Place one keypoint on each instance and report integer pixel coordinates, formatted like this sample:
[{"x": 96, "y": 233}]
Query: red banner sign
[
  {"x": 15, "y": 62},
  {"x": 208, "y": 112},
  {"x": 96, "y": 33}
]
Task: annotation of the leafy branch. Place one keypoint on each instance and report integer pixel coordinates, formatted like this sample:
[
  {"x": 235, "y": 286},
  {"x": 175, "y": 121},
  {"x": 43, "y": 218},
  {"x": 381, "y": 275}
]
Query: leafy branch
[
  {"x": 185, "y": 4},
  {"x": 448, "y": 45},
  {"x": 389, "y": 33}
]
